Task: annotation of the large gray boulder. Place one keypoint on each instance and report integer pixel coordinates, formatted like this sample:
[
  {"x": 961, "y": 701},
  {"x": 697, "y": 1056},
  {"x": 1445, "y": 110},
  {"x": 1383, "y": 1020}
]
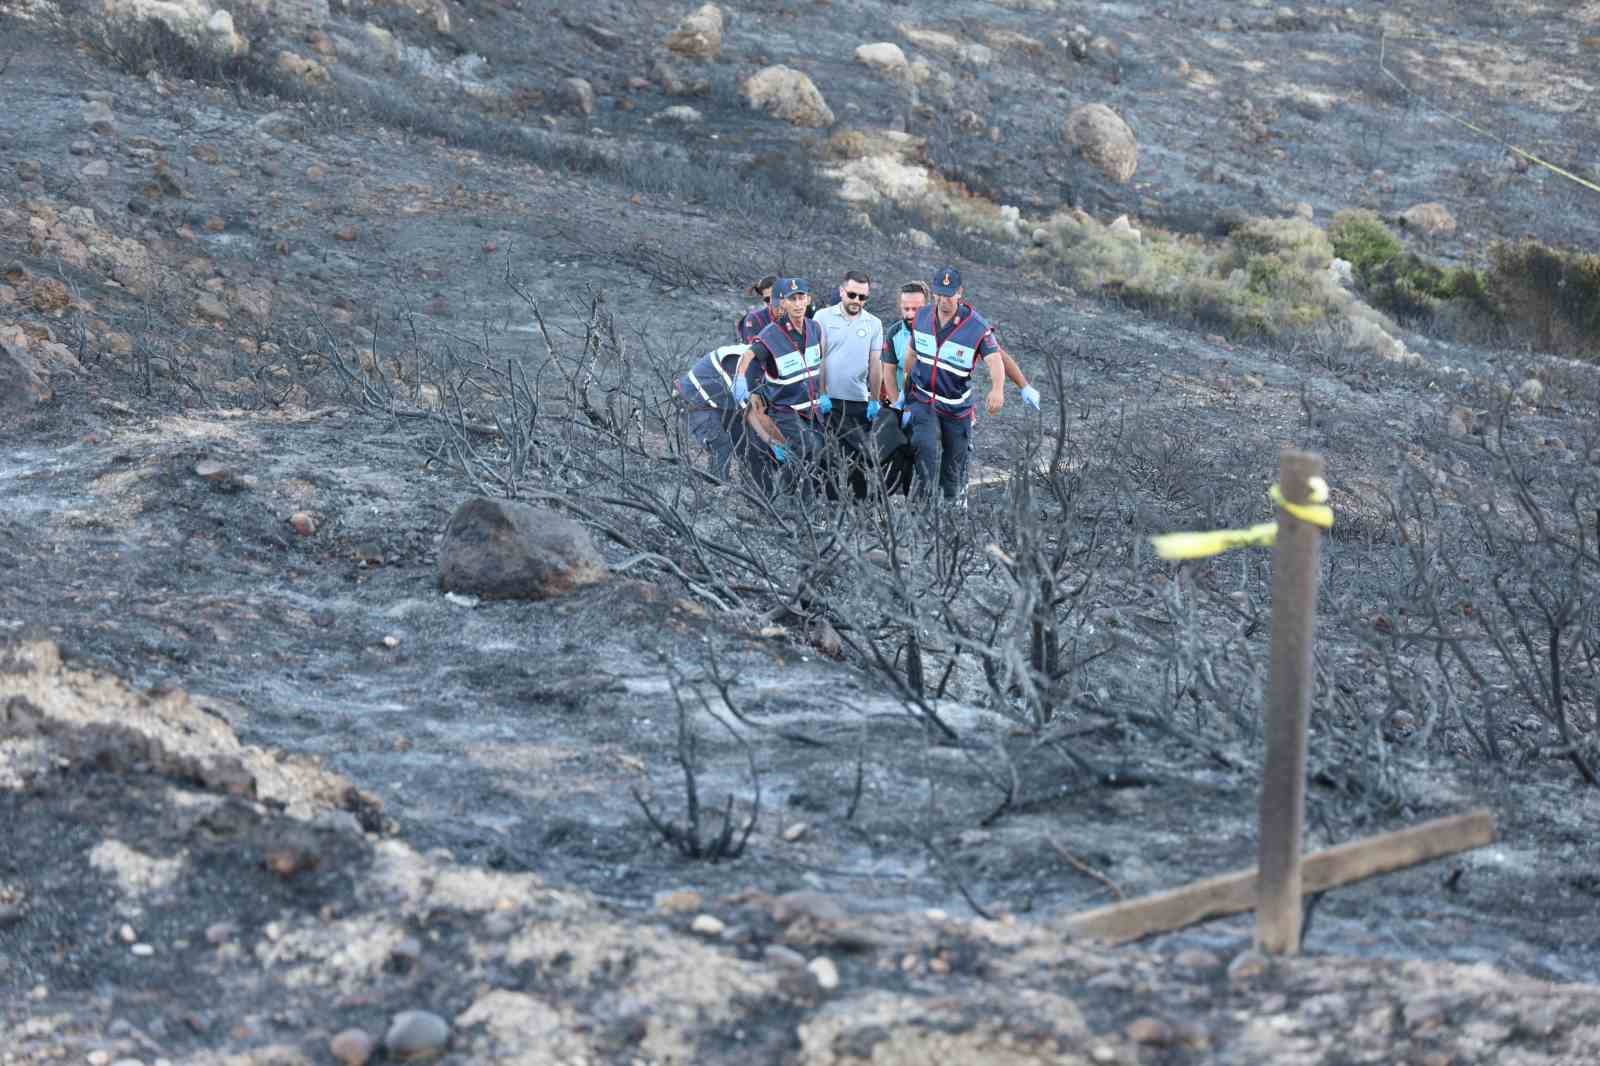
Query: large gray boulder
[
  {"x": 1101, "y": 136},
  {"x": 502, "y": 549}
]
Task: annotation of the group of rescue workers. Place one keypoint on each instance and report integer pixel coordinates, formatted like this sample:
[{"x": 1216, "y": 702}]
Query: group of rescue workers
[{"x": 900, "y": 402}]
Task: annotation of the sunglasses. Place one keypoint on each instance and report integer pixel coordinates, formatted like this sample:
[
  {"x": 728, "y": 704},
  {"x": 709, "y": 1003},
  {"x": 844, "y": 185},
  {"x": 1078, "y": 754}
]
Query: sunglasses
[{"x": 855, "y": 296}]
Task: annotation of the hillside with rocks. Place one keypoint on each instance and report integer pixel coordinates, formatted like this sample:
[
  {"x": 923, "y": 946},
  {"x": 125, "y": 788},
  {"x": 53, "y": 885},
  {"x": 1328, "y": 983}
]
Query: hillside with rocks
[{"x": 294, "y": 770}]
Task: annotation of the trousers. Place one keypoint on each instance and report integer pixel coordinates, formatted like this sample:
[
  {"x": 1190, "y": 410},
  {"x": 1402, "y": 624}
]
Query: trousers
[
  {"x": 803, "y": 442},
  {"x": 719, "y": 432},
  {"x": 942, "y": 446}
]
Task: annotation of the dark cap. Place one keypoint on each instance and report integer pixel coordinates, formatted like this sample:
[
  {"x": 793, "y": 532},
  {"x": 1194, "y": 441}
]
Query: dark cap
[
  {"x": 946, "y": 281},
  {"x": 787, "y": 287}
]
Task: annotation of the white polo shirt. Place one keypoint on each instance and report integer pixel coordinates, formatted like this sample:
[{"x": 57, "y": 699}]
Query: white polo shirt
[{"x": 850, "y": 341}]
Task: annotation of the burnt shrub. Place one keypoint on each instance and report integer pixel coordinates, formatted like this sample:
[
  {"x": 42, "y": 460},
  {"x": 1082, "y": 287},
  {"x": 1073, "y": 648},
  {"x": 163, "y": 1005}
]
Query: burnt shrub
[
  {"x": 142, "y": 45},
  {"x": 1550, "y": 298}
]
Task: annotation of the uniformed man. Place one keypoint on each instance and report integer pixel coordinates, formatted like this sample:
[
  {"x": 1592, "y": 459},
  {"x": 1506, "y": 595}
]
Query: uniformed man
[
  {"x": 948, "y": 339},
  {"x": 791, "y": 352},
  {"x": 711, "y": 416}
]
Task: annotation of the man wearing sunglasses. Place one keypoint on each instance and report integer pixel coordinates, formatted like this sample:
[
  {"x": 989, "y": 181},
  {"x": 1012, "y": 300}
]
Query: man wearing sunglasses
[{"x": 855, "y": 372}]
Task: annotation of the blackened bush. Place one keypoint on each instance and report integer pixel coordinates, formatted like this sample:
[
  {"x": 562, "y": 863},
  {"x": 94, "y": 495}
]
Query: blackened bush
[
  {"x": 1550, "y": 297},
  {"x": 142, "y": 45}
]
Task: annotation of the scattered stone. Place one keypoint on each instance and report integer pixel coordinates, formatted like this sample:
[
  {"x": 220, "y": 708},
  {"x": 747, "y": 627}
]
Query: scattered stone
[
  {"x": 415, "y": 1033},
  {"x": 208, "y": 306},
  {"x": 680, "y": 901},
  {"x": 1124, "y": 230},
  {"x": 143, "y": 951},
  {"x": 127, "y": 935},
  {"x": 29, "y": 170},
  {"x": 461, "y": 601},
  {"x": 826, "y": 640},
  {"x": 1197, "y": 959},
  {"x": 216, "y": 224},
  {"x": 407, "y": 952},
  {"x": 346, "y": 233},
  {"x": 785, "y": 956},
  {"x": 391, "y": 641},
  {"x": 211, "y": 470},
  {"x": 95, "y": 168},
  {"x": 504, "y": 549},
  {"x": 826, "y": 973},
  {"x": 1149, "y": 1030},
  {"x": 80, "y": 148},
  {"x": 579, "y": 95},
  {"x": 795, "y": 831},
  {"x": 1247, "y": 965},
  {"x": 885, "y": 57},
  {"x": 97, "y": 116},
  {"x": 303, "y": 523},
  {"x": 707, "y": 925},
  {"x": 352, "y": 1047},
  {"x": 220, "y": 933},
  {"x": 682, "y": 115},
  {"x": 1100, "y": 135},
  {"x": 699, "y": 35},
  {"x": 788, "y": 94},
  {"x": 1429, "y": 219}
]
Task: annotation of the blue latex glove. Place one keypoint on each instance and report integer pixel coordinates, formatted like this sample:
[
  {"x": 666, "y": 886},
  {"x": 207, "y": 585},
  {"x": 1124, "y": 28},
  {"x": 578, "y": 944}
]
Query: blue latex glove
[
  {"x": 873, "y": 407},
  {"x": 780, "y": 453},
  {"x": 741, "y": 391},
  {"x": 1030, "y": 396},
  {"x": 824, "y": 405}
]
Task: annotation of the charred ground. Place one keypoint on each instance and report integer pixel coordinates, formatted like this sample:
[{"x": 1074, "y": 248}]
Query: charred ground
[{"x": 413, "y": 242}]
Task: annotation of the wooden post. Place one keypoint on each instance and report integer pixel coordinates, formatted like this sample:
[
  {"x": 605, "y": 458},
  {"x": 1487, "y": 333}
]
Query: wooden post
[{"x": 1296, "y": 562}]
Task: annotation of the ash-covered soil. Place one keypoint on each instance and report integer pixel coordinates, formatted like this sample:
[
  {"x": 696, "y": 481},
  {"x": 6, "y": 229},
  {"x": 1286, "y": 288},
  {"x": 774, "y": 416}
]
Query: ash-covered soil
[{"x": 259, "y": 788}]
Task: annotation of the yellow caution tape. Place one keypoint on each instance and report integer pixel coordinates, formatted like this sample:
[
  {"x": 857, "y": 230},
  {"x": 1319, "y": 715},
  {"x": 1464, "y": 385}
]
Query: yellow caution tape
[
  {"x": 1501, "y": 141},
  {"x": 1199, "y": 545}
]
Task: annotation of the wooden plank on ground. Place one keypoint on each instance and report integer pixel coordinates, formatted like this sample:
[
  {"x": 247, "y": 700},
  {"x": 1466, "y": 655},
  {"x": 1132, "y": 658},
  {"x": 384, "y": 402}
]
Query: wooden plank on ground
[{"x": 1233, "y": 893}]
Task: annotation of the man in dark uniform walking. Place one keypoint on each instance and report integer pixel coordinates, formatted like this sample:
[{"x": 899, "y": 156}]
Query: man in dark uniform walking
[
  {"x": 794, "y": 394},
  {"x": 711, "y": 417},
  {"x": 948, "y": 339}
]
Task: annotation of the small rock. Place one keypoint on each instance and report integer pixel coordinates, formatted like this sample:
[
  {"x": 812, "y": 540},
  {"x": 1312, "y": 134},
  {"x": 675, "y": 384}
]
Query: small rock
[
  {"x": 826, "y": 973},
  {"x": 81, "y": 148},
  {"x": 1247, "y": 964},
  {"x": 303, "y": 523},
  {"x": 98, "y": 117},
  {"x": 1149, "y": 1030},
  {"x": 143, "y": 951},
  {"x": 407, "y": 951},
  {"x": 707, "y": 925},
  {"x": 579, "y": 94},
  {"x": 699, "y": 35},
  {"x": 679, "y": 902},
  {"x": 681, "y": 115},
  {"x": 1197, "y": 959},
  {"x": 353, "y": 1047},
  {"x": 346, "y": 233},
  {"x": 95, "y": 168},
  {"x": 461, "y": 600},
  {"x": 220, "y": 933},
  {"x": 782, "y": 955},
  {"x": 1429, "y": 219},
  {"x": 391, "y": 641},
  {"x": 98, "y": 1057},
  {"x": 28, "y": 170},
  {"x": 415, "y": 1033},
  {"x": 210, "y": 470},
  {"x": 127, "y": 935},
  {"x": 795, "y": 832},
  {"x": 1103, "y": 1053}
]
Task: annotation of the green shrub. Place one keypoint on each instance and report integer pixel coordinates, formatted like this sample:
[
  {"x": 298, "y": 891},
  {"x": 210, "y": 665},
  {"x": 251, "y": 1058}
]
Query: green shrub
[
  {"x": 1549, "y": 297},
  {"x": 1360, "y": 238}
]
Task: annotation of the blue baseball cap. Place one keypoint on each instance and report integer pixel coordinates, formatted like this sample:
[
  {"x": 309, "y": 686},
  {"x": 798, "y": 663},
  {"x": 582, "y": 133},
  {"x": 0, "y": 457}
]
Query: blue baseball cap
[
  {"x": 946, "y": 281},
  {"x": 788, "y": 287}
]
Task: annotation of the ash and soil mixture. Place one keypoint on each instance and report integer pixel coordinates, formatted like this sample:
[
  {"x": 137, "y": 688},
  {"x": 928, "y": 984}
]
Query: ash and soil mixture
[{"x": 258, "y": 788}]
